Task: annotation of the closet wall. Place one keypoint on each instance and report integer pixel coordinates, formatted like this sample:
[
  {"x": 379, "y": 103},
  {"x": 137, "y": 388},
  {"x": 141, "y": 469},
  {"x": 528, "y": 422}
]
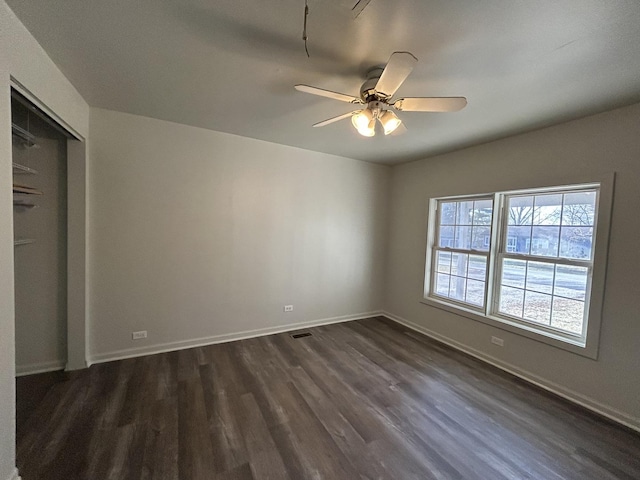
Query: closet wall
[{"x": 40, "y": 244}]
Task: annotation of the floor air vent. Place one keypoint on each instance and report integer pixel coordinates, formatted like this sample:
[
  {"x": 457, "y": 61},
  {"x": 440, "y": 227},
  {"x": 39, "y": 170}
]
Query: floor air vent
[{"x": 300, "y": 335}]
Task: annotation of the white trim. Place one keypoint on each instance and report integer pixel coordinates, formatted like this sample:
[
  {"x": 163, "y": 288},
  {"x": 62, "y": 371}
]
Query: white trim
[
  {"x": 42, "y": 367},
  {"x": 14, "y": 475},
  {"x": 228, "y": 337},
  {"x": 25, "y": 92},
  {"x": 566, "y": 393}
]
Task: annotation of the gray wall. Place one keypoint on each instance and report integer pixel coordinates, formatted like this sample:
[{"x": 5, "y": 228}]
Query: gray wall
[
  {"x": 197, "y": 236},
  {"x": 597, "y": 145}
]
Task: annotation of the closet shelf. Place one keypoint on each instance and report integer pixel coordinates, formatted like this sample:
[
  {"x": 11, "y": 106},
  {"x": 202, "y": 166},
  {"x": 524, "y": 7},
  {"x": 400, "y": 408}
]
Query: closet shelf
[
  {"x": 27, "y": 138},
  {"x": 21, "y": 203},
  {"x": 23, "y": 241},
  {"x": 22, "y": 169},
  {"x": 25, "y": 190}
]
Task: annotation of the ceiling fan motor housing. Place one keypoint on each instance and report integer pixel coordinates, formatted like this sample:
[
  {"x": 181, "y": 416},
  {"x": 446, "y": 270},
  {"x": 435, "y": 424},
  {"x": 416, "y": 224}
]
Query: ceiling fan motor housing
[{"x": 367, "y": 90}]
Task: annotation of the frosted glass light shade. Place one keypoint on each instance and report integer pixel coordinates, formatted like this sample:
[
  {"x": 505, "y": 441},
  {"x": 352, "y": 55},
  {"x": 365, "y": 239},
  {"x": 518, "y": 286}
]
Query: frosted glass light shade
[
  {"x": 389, "y": 122},
  {"x": 364, "y": 122}
]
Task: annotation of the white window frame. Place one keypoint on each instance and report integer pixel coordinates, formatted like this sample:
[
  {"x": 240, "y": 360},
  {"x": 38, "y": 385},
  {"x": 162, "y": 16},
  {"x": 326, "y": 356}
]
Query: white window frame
[
  {"x": 435, "y": 248},
  {"x": 586, "y": 343}
]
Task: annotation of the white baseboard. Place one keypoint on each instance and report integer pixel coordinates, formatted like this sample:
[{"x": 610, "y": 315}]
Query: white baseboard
[
  {"x": 574, "y": 397},
  {"x": 42, "y": 367},
  {"x": 229, "y": 337},
  {"x": 14, "y": 475}
]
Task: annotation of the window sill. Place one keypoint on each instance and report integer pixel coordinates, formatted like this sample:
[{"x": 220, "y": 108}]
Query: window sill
[{"x": 574, "y": 346}]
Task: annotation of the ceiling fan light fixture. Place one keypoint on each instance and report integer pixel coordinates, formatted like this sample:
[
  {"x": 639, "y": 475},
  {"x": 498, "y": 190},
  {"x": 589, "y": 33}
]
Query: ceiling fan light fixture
[
  {"x": 362, "y": 119},
  {"x": 389, "y": 121},
  {"x": 365, "y": 122},
  {"x": 368, "y": 131},
  {"x": 376, "y": 95}
]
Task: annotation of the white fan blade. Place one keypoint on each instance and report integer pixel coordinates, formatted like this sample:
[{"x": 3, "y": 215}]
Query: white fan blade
[
  {"x": 398, "y": 68},
  {"x": 335, "y": 119},
  {"x": 327, "y": 93},
  {"x": 430, "y": 104}
]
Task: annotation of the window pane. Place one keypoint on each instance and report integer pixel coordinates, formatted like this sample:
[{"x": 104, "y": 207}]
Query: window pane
[
  {"x": 571, "y": 282},
  {"x": 477, "y": 267},
  {"x": 547, "y": 209},
  {"x": 447, "y": 213},
  {"x": 511, "y": 301},
  {"x": 576, "y": 242},
  {"x": 520, "y": 210},
  {"x": 463, "y": 237},
  {"x": 579, "y": 208},
  {"x": 457, "y": 288},
  {"x": 443, "y": 262},
  {"x": 442, "y": 284},
  {"x": 482, "y": 211},
  {"x": 446, "y": 237},
  {"x": 544, "y": 241},
  {"x": 567, "y": 314},
  {"x": 480, "y": 239},
  {"x": 518, "y": 239},
  {"x": 540, "y": 277},
  {"x": 537, "y": 307},
  {"x": 456, "y": 230},
  {"x": 475, "y": 292},
  {"x": 459, "y": 264},
  {"x": 465, "y": 213},
  {"x": 513, "y": 272}
]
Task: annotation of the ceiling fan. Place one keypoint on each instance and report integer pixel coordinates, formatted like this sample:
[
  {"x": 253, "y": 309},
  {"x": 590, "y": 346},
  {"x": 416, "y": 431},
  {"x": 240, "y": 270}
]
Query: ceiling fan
[{"x": 375, "y": 95}]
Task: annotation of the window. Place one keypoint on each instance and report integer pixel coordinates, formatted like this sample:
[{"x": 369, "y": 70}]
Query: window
[
  {"x": 461, "y": 253},
  {"x": 521, "y": 258}
]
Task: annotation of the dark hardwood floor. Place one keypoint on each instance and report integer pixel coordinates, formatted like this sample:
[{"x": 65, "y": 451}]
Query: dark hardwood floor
[{"x": 361, "y": 400}]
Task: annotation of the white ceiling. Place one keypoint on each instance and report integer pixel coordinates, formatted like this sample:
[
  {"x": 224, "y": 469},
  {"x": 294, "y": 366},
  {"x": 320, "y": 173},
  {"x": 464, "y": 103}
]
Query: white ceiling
[{"x": 230, "y": 65}]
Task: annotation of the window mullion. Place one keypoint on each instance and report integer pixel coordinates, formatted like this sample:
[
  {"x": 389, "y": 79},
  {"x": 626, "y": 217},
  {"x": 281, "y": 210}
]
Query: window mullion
[
  {"x": 553, "y": 289},
  {"x": 490, "y": 281},
  {"x": 481, "y": 253},
  {"x": 551, "y": 260}
]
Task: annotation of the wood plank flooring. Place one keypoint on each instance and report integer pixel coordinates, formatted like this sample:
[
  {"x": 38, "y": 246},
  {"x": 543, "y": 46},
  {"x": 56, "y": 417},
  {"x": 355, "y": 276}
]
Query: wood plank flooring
[{"x": 366, "y": 399}]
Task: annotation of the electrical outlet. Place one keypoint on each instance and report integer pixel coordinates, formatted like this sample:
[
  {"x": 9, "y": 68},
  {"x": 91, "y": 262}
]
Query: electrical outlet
[
  {"x": 497, "y": 341},
  {"x": 139, "y": 335},
  {"x": 288, "y": 308}
]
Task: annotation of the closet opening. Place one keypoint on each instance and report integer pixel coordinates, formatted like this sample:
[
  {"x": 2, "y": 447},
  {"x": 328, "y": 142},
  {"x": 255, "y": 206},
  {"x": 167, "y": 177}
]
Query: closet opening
[{"x": 42, "y": 151}]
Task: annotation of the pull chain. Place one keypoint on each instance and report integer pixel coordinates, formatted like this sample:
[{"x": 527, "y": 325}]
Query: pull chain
[{"x": 304, "y": 31}]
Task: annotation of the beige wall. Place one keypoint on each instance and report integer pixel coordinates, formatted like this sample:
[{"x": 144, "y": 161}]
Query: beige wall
[
  {"x": 22, "y": 58},
  {"x": 593, "y": 146},
  {"x": 199, "y": 236}
]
